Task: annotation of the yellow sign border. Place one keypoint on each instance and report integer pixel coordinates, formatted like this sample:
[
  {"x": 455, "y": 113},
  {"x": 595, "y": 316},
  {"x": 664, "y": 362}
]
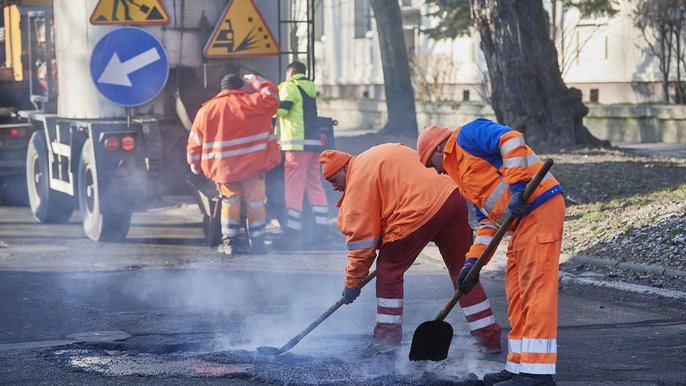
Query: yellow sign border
[
  {"x": 129, "y": 22},
  {"x": 221, "y": 20}
]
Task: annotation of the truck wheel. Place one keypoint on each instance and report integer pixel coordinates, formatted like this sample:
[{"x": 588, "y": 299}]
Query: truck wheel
[
  {"x": 47, "y": 205},
  {"x": 98, "y": 226}
]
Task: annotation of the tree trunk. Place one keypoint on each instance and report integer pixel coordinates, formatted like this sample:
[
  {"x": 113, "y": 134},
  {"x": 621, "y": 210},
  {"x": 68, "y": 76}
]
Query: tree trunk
[
  {"x": 402, "y": 118},
  {"x": 529, "y": 94}
]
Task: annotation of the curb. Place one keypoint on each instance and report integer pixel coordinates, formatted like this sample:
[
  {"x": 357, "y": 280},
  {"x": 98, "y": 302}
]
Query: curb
[{"x": 651, "y": 269}]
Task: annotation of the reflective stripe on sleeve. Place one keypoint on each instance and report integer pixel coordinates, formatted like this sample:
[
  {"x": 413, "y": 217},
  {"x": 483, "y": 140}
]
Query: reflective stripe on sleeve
[
  {"x": 495, "y": 196},
  {"x": 482, "y": 239},
  {"x": 515, "y": 162},
  {"x": 511, "y": 144},
  {"x": 195, "y": 137},
  {"x": 362, "y": 244}
]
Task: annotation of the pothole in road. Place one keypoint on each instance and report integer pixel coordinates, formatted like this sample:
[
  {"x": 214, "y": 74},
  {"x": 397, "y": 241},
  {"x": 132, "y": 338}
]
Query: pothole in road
[{"x": 324, "y": 364}]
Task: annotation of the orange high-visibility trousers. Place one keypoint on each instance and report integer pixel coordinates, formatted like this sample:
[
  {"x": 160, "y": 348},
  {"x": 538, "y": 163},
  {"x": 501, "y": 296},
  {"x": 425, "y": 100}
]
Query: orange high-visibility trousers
[
  {"x": 533, "y": 256},
  {"x": 250, "y": 192},
  {"x": 302, "y": 175}
]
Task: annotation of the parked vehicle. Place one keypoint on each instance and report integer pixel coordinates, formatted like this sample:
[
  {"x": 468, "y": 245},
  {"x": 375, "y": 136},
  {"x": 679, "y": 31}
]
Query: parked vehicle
[{"x": 84, "y": 149}]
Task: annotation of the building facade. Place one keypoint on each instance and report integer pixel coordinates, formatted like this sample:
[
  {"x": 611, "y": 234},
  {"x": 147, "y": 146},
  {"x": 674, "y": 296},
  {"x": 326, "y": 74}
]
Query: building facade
[{"x": 606, "y": 58}]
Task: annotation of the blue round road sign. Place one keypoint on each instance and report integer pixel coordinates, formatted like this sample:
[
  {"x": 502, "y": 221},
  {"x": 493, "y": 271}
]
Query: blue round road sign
[{"x": 129, "y": 66}]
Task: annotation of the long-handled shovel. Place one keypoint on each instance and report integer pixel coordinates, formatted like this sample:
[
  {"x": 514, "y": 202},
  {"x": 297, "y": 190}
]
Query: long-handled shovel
[
  {"x": 431, "y": 340},
  {"x": 266, "y": 350}
]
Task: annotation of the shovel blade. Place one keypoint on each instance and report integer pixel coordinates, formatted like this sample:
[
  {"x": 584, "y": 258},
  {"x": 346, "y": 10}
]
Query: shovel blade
[{"x": 431, "y": 341}]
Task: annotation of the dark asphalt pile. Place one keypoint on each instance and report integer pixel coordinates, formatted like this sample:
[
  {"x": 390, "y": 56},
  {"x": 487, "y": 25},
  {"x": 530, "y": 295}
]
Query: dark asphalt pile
[{"x": 124, "y": 359}]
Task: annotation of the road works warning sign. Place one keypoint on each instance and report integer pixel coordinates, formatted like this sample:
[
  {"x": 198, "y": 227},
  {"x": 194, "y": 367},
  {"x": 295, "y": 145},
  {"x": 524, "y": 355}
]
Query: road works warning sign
[
  {"x": 129, "y": 12},
  {"x": 241, "y": 31}
]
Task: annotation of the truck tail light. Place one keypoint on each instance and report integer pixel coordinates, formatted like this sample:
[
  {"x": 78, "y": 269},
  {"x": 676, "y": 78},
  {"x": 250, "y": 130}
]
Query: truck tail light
[
  {"x": 112, "y": 143},
  {"x": 128, "y": 143},
  {"x": 15, "y": 132}
]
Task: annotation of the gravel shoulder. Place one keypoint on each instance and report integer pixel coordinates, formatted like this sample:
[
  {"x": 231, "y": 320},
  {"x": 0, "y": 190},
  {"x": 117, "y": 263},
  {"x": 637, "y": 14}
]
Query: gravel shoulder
[{"x": 621, "y": 206}]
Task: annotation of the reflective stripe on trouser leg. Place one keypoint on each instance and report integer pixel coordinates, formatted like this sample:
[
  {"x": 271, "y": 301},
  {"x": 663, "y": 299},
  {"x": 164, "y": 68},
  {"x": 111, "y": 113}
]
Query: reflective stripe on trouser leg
[
  {"x": 294, "y": 220},
  {"x": 254, "y": 199},
  {"x": 231, "y": 209},
  {"x": 531, "y": 287},
  {"x": 479, "y": 315},
  {"x": 321, "y": 214},
  {"x": 389, "y": 320}
]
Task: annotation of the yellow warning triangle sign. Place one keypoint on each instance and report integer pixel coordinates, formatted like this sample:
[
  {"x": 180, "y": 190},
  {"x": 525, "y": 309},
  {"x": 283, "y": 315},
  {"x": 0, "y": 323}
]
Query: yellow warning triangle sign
[
  {"x": 241, "y": 31},
  {"x": 129, "y": 12}
]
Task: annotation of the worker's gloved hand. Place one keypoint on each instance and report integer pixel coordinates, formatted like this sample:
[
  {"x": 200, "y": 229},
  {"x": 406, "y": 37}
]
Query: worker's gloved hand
[
  {"x": 350, "y": 294},
  {"x": 462, "y": 284},
  {"x": 194, "y": 169},
  {"x": 517, "y": 205},
  {"x": 250, "y": 82}
]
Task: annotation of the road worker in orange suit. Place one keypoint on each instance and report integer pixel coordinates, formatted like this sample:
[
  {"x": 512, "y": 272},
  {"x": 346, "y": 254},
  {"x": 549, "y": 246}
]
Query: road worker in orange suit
[
  {"x": 491, "y": 165},
  {"x": 393, "y": 204},
  {"x": 233, "y": 144}
]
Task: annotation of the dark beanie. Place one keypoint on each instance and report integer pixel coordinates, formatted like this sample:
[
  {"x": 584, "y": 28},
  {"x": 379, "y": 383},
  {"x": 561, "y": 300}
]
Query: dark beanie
[{"x": 231, "y": 82}]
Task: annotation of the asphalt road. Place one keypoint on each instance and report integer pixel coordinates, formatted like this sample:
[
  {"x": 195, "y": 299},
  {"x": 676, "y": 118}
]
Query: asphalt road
[{"x": 162, "y": 308}]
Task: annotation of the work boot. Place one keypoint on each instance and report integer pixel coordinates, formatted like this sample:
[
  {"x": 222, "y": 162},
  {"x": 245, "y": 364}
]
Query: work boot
[
  {"x": 490, "y": 349},
  {"x": 258, "y": 247},
  {"x": 524, "y": 379},
  {"x": 289, "y": 240},
  {"x": 226, "y": 249},
  {"x": 491, "y": 379},
  {"x": 380, "y": 348}
]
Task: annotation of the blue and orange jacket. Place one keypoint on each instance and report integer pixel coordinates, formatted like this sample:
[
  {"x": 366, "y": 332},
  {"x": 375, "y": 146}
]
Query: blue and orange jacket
[{"x": 488, "y": 161}]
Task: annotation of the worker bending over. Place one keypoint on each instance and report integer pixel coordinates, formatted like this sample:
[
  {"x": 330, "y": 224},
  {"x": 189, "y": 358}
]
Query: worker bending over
[
  {"x": 491, "y": 165},
  {"x": 393, "y": 204}
]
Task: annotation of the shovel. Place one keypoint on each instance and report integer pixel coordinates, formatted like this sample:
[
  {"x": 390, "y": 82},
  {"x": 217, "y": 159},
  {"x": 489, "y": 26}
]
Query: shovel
[
  {"x": 266, "y": 350},
  {"x": 431, "y": 340}
]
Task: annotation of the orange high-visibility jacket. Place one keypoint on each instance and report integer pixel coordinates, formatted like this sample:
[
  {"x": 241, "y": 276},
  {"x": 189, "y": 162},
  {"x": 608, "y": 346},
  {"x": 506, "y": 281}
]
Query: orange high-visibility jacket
[
  {"x": 388, "y": 195},
  {"x": 488, "y": 161},
  {"x": 232, "y": 137}
]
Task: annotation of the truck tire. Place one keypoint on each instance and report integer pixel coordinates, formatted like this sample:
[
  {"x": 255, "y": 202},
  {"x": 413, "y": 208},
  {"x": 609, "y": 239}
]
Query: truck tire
[
  {"x": 47, "y": 205},
  {"x": 98, "y": 226}
]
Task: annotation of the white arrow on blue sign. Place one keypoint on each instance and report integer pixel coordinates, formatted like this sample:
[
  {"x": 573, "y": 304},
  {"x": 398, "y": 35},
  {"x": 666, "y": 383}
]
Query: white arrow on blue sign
[{"x": 129, "y": 66}]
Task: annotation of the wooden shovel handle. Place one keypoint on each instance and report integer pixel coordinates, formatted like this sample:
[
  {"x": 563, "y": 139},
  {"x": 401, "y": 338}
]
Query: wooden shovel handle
[{"x": 491, "y": 247}]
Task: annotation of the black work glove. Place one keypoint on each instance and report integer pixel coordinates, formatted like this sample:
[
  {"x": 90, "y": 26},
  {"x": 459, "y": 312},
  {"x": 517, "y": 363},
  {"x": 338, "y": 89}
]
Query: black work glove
[
  {"x": 466, "y": 286},
  {"x": 517, "y": 206},
  {"x": 350, "y": 294}
]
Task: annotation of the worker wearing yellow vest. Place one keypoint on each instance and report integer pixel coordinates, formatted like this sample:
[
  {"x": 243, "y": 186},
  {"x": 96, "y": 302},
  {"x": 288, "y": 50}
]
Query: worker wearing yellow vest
[
  {"x": 393, "y": 204},
  {"x": 299, "y": 138},
  {"x": 233, "y": 144},
  {"x": 491, "y": 165}
]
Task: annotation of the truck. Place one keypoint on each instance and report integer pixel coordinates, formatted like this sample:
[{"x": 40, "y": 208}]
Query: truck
[{"x": 86, "y": 150}]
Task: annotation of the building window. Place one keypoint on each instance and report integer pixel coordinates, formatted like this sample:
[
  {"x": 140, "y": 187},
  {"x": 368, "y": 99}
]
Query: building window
[
  {"x": 594, "y": 95},
  {"x": 318, "y": 20},
  {"x": 465, "y": 95},
  {"x": 363, "y": 18}
]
